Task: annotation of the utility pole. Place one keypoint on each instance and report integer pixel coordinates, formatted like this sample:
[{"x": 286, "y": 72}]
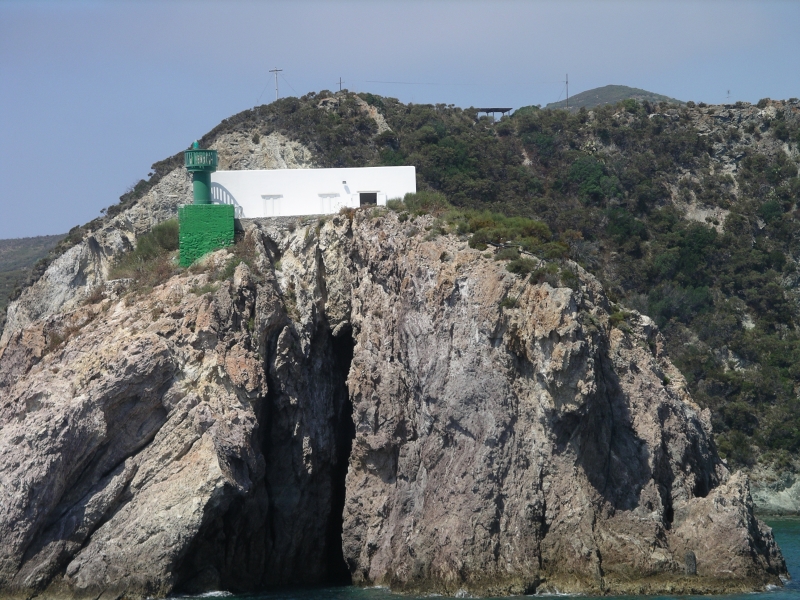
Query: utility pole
[
  {"x": 276, "y": 70},
  {"x": 567, "y": 91},
  {"x": 340, "y": 84}
]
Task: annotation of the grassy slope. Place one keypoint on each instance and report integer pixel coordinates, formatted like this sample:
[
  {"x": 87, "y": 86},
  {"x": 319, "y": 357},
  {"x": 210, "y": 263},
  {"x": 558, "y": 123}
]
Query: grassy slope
[{"x": 610, "y": 94}]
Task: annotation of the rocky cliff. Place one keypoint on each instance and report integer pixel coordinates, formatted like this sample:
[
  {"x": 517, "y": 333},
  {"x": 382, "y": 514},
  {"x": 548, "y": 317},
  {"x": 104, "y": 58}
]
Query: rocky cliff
[{"x": 363, "y": 399}]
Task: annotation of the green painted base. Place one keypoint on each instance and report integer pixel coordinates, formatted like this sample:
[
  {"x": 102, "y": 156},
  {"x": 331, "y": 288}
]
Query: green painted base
[{"x": 203, "y": 229}]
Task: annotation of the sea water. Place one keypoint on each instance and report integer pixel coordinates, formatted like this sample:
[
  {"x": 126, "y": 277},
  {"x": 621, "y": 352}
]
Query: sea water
[{"x": 786, "y": 530}]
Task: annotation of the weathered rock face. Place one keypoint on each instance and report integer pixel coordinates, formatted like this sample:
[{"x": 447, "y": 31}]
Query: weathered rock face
[
  {"x": 506, "y": 436},
  {"x": 777, "y": 494}
]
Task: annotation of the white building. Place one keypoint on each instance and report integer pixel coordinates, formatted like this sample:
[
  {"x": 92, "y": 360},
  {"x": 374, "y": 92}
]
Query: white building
[{"x": 294, "y": 192}]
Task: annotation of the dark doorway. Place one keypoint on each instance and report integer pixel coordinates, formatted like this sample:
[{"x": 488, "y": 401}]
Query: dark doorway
[{"x": 368, "y": 198}]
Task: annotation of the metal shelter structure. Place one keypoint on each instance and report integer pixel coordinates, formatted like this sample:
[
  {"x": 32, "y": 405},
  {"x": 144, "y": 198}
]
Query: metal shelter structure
[{"x": 492, "y": 110}]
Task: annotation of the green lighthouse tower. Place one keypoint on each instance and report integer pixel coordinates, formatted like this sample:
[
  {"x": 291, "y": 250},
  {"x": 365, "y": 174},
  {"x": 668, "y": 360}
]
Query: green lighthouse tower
[
  {"x": 204, "y": 226},
  {"x": 201, "y": 164}
]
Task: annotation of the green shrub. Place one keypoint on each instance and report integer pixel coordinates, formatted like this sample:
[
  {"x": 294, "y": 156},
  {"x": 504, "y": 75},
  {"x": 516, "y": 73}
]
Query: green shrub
[
  {"x": 395, "y": 204},
  {"x": 542, "y": 144},
  {"x": 546, "y": 273},
  {"x": 623, "y": 226},
  {"x": 431, "y": 203},
  {"x": 521, "y": 266},
  {"x": 165, "y": 235},
  {"x": 508, "y": 302},
  {"x": 553, "y": 250},
  {"x": 507, "y": 254},
  {"x": 390, "y": 157},
  {"x": 372, "y": 100},
  {"x": 525, "y": 110},
  {"x": 433, "y": 234},
  {"x": 668, "y": 301},
  {"x": 151, "y": 262},
  {"x": 570, "y": 279},
  {"x": 736, "y": 447},
  {"x": 54, "y": 340},
  {"x": 770, "y": 210},
  {"x": 739, "y": 415},
  {"x": 631, "y": 105},
  {"x": 592, "y": 179},
  {"x": 504, "y": 127},
  {"x": 782, "y": 131},
  {"x": 208, "y": 288},
  {"x": 494, "y": 228},
  {"x": 618, "y": 317}
]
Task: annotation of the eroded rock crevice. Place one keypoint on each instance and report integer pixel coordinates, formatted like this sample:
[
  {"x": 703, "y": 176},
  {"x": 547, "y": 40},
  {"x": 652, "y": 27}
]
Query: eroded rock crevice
[
  {"x": 268, "y": 538},
  {"x": 342, "y": 347}
]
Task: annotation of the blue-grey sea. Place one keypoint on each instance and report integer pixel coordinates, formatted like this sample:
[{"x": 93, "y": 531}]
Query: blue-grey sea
[{"x": 787, "y": 532}]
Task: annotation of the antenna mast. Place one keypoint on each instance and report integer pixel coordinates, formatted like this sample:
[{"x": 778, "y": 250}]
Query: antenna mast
[
  {"x": 567, "y": 91},
  {"x": 276, "y": 70}
]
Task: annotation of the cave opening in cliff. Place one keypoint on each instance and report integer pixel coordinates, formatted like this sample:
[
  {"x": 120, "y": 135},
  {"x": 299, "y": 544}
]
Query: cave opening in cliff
[
  {"x": 287, "y": 529},
  {"x": 342, "y": 347}
]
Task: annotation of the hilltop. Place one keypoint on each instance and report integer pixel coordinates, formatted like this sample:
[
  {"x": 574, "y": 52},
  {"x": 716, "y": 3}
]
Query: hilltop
[{"x": 610, "y": 94}]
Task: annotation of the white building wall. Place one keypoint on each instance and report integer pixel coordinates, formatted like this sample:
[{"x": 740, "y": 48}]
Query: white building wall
[{"x": 295, "y": 192}]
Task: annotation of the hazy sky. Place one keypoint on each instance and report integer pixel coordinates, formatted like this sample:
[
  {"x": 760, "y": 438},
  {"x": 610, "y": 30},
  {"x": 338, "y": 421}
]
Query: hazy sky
[{"x": 93, "y": 93}]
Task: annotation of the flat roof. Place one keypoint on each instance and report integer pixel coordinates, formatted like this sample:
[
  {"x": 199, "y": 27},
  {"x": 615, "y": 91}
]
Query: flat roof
[{"x": 494, "y": 109}]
